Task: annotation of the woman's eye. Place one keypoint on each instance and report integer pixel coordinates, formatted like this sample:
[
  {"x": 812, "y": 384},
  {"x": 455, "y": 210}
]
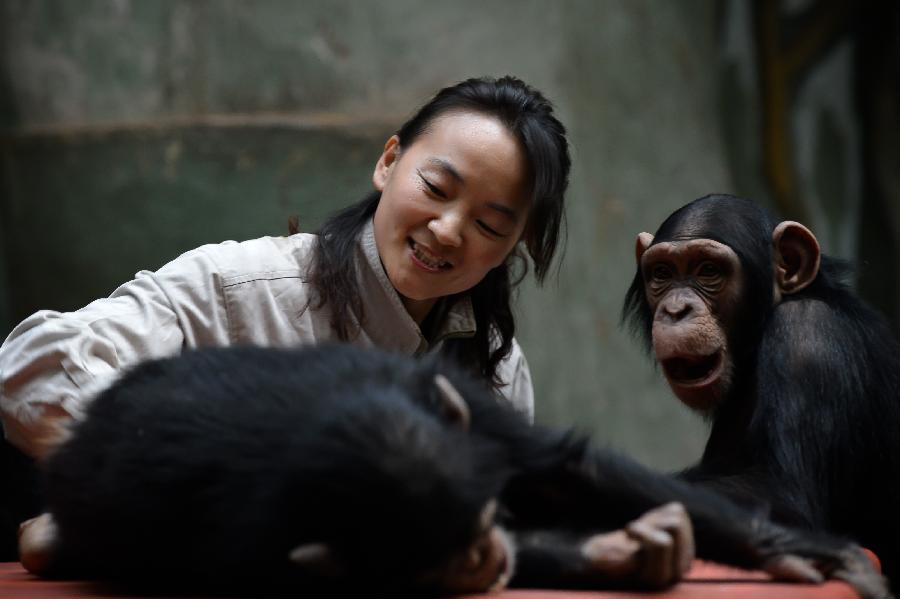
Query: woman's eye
[
  {"x": 490, "y": 230},
  {"x": 431, "y": 187}
]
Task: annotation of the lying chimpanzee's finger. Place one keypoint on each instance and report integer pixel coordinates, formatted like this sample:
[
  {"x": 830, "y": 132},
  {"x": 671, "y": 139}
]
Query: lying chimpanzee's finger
[
  {"x": 38, "y": 538},
  {"x": 615, "y": 555},
  {"x": 673, "y": 520},
  {"x": 657, "y": 549}
]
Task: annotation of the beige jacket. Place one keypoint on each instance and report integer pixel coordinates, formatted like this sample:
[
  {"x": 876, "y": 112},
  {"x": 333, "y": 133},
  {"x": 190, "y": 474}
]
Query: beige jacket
[{"x": 253, "y": 292}]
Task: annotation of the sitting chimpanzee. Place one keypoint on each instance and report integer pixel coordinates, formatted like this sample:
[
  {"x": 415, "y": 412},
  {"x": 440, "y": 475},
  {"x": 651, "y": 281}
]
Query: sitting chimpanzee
[
  {"x": 244, "y": 468},
  {"x": 755, "y": 329}
]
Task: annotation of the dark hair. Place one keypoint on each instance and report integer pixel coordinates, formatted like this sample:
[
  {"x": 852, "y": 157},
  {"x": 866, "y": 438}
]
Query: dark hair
[{"x": 529, "y": 116}]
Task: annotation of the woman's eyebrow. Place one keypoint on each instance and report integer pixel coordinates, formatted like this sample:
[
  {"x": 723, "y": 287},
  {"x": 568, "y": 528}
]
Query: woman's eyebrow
[{"x": 446, "y": 167}]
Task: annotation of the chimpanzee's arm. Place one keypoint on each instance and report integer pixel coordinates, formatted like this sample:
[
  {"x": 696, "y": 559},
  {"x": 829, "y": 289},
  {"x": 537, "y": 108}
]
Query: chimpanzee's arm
[
  {"x": 808, "y": 386},
  {"x": 782, "y": 499},
  {"x": 563, "y": 483},
  {"x": 554, "y": 558},
  {"x": 652, "y": 552},
  {"x": 599, "y": 490}
]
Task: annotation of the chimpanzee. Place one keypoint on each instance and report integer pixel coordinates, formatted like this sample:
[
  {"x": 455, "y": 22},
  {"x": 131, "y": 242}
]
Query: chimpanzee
[
  {"x": 248, "y": 468},
  {"x": 758, "y": 331}
]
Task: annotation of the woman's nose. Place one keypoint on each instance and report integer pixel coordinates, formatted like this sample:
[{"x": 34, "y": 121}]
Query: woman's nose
[{"x": 447, "y": 229}]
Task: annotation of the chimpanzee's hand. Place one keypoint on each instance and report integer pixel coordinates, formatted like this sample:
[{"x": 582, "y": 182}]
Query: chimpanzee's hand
[
  {"x": 654, "y": 551},
  {"x": 37, "y": 543},
  {"x": 856, "y": 569},
  {"x": 813, "y": 557}
]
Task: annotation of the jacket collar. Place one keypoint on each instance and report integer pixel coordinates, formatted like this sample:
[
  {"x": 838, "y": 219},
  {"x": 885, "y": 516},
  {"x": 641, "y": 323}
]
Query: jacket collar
[{"x": 387, "y": 323}]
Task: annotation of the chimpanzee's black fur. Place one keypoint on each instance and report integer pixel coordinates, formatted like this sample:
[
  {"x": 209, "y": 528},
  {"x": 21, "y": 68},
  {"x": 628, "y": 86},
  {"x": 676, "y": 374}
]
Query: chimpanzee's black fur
[
  {"x": 19, "y": 499},
  {"x": 205, "y": 470}
]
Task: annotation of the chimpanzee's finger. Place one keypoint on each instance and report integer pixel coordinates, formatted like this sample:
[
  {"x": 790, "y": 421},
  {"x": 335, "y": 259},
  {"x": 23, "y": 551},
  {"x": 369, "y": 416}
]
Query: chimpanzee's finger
[
  {"x": 38, "y": 538},
  {"x": 793, "y": 568},
  {"x": 615, "y": 554},
  {"x": 857, "y": 570},
  {"x": 657, "y": 550},
  {"x": 675, "y": 520}
]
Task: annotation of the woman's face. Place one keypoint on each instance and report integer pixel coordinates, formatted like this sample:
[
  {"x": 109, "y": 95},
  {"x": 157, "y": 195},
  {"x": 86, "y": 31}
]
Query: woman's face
[{"x": 453, "y": 205}]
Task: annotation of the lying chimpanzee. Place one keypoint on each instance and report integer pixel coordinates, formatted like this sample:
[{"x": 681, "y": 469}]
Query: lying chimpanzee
[
  {"x": 247, "y": 468},
  {"x": 757, "y": 330}
]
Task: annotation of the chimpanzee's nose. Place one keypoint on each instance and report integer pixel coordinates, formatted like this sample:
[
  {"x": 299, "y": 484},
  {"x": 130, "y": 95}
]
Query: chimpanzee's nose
[
  {"x": 677, "y": 311},
  {"x": 679, "y": 305}
]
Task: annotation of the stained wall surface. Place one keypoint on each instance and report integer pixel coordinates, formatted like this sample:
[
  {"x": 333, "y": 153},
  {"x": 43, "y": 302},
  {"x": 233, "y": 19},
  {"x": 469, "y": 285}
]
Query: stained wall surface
[{"x": 134, "y": 130}]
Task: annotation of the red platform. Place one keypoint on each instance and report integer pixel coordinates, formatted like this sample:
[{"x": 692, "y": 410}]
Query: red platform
[{"x": 704, "y": 581}]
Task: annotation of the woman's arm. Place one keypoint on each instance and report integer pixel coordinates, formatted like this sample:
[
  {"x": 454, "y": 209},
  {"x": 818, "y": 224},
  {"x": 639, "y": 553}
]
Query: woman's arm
[
  {"x": 54, "y": 362},
  {"x": 516, "y": 376}
]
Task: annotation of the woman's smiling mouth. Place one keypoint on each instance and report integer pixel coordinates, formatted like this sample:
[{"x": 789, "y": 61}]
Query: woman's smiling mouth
[{"x": 423, "y": 257}]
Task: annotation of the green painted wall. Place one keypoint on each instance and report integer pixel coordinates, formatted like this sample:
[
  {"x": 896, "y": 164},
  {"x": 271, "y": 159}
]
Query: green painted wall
[
  {"x": 135, "y": 130},
  {"x": 92, "y": 208}
]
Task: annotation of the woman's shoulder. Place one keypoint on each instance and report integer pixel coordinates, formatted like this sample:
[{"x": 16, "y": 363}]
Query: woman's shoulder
[{"x": 261, "y": 256}]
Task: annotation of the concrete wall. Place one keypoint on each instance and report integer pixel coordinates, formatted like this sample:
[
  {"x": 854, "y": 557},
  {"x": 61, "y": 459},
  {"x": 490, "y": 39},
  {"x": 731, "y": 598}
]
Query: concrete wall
[
  {"x": 818, "y": 181},
  {"x": 136, "y": 130}
]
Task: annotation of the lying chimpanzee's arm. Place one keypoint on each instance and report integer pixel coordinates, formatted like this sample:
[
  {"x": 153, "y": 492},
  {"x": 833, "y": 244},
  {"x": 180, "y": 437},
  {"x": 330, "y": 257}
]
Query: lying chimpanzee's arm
[
  {"x": 590, "y": 489},
  {"x": 652, "y": 552},
  {"x": 560, "y": 482}
]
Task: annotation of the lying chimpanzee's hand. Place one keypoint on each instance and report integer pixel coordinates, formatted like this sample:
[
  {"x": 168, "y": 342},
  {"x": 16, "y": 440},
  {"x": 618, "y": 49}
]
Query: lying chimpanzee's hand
[
  {"x": 37, "y": 541},
  {"x": 654, "y": 551}
]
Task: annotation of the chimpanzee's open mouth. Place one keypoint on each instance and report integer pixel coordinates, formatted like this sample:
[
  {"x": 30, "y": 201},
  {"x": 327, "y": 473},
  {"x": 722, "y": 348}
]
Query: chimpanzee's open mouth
[{"x": 692, "y": 370}]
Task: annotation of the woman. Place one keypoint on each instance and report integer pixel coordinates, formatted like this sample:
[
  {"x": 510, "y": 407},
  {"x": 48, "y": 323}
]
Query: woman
[{"x": 424, "y": 262}]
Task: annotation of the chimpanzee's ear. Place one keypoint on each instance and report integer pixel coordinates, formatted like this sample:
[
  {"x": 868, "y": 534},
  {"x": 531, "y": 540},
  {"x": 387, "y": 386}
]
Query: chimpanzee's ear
[
  {"x": 488, "y": 515},
  {"x": 316, "y": 558},
  {"x": 641, "y": 244},
  {"x": 797, "y": 256},
  {"x": 453, "y": 405}
]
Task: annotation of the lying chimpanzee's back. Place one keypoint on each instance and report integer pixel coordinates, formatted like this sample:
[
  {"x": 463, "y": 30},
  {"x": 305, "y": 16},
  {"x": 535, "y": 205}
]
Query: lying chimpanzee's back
[{"x": 220, "y": 462}]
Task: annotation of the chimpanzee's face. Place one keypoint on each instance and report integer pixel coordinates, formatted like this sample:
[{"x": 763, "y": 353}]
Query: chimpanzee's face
[
  {"x": 485, "y": 565},
  {"x": 480, "y": 560},
  {"x": 429, "y": 485},
  {"x": 693, "y": 288}
]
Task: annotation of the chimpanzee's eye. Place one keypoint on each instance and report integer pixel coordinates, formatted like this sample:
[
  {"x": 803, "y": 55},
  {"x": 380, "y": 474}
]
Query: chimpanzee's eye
[
  {"x": 661, "y": 272},
  {"x": 709, "y": 270}
]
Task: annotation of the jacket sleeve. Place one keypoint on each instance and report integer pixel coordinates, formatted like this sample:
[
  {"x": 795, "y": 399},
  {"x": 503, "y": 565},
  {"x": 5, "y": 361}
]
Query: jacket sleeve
[
  {"x": 53, "y": 363},
  {"x": 516, "y": 377}
]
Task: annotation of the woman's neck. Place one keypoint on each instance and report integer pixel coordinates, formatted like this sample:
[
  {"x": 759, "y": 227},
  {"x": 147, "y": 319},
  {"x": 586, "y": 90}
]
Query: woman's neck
[{"x": 418, "y": 309}]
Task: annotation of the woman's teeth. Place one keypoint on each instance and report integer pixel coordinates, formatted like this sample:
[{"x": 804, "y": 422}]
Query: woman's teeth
[{"x": 428, "y": 259}]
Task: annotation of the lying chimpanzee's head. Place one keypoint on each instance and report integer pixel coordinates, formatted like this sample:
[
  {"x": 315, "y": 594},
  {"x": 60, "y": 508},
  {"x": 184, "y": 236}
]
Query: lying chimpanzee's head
[
  {"x": 705, "y": 286},
  {"x": 414, "y": 503}
]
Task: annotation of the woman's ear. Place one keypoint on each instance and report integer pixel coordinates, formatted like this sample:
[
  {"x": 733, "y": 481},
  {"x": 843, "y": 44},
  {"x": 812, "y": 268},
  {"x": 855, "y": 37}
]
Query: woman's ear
[
  {"x": 388, "y": 158},
  {"x": 797, "y": 256}
]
